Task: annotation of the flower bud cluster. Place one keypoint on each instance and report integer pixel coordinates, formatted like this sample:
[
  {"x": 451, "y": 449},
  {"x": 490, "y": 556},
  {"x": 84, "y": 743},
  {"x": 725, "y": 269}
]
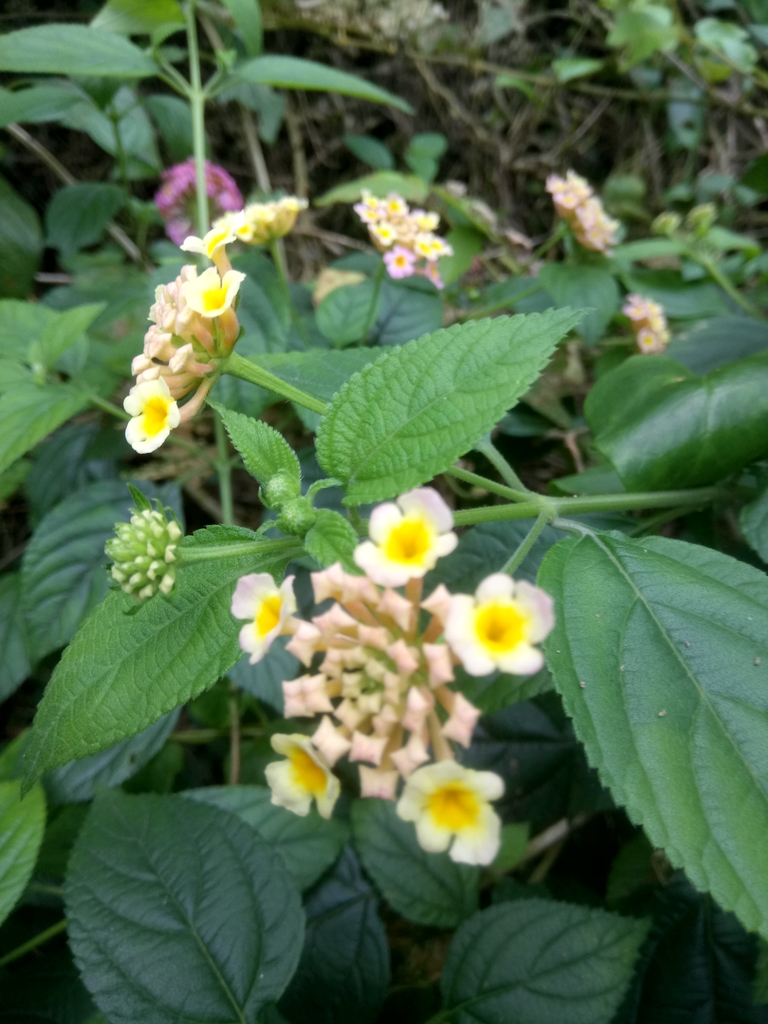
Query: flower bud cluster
[
  {"x": 143, "y": 553},
  {"x": 406, "y": 237},
  {"x": 261, "y": 223},
  {"x": 177, "y": 197},
  {"x": 582, "y": 211},
  {"x": 648, "y": 322}
]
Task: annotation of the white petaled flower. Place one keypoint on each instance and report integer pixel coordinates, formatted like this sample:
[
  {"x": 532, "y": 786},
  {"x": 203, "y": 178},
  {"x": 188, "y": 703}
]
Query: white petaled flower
[
  {"x": 407, "y": 538},
  {"x": 267, "y": 606},
  {"x": 303, "y": 777},
  {"x": 220, "y": 235},
  {"x": 210, "y": 295},
  {"x": 154, "y": 414},
  {"x": 497, "y": 628},
  {"x": 450, "y": 806}
]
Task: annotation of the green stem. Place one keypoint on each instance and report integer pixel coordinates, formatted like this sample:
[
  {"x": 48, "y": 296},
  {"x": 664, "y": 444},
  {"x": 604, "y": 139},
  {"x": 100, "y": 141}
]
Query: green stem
[
  {"x": 370, "y": 318},
  {"x": 282, "y": 273},
  {"x": 224, "y": 471},
  {"x": 500, "y": 464},
  {"x": 240, "y": 549},
  {"x": 320, "y": 485},
  {"x": 237, "y": 366},
  {"x": 525, "y": 546},
  {"x": 727, "y": 285},
  {"x": 38, "y": 940},
  {"x": 193, "y": 736},
  {"x": 197, "y": 103},
  {"x": 559, "y": 232},
  {"x": 477, "y": 314},
  {"x": 589, "y": 503},
  {"x": 487, "y": 485},
  {"x": 234, "y": 735}
]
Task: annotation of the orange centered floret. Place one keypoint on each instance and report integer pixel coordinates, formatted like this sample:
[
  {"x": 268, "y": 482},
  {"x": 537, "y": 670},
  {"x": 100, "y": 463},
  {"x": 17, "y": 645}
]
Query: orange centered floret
[
  {"x": 155, "y": 416},
  {"x": 308, "y": 774},
  {"x": 268, "y": 614},
  {"x": 214, "y": 298},
  {"x": 454, "y": 807},
  {"x": 409, "y": 542},
  {"x": 500, "y": 627}
]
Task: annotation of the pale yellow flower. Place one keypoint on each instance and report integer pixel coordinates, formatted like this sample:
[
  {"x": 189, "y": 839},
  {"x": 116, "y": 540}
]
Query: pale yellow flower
[
  {"x": 220, "y": 235},
  {"x": 268, "y": 607},
  {"x": 154, "y": 414},
  {"x": 303, "y": 777},
  {"x": 210, "y": 295}
]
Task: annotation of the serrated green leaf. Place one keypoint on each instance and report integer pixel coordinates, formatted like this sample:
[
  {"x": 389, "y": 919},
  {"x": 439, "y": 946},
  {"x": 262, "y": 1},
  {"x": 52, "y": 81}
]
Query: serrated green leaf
[
  {"x": 584, "y": 286},
  {"x": 66, "y": 330},
  {"x": 427, "y": 888},
  {"x": 22, "y": 823},
  {"x": 36, "y": 104},
  {"x": 78, "y": 215},
  {"x": 296, "y": 73},
  {"x": 137, "y": 17},
  {"x": 331, "y": 539},
  {"x": 265, "y": 452},
  {"x": 72, "y": 50},
  {"x": 124, "y": 671},
  {"x": 753, "y": 521},
  {"x": 319, "y": 372},
  {"x": 345, "y": 314},
  {"x": 343, "y": 973},
  {"x": 413, "y": 412},
  {"x": 29, "y": 413},
  {"x": 14, "y": 642},
  {"x": 660, "y": 654},
  {"x": 308, "y": 846},
  {"x": 178, "y": 955},
  {"x": 662, "y": 426},
  {"x": 407, "y": 312},
  {"x": 529, "y": 959}
]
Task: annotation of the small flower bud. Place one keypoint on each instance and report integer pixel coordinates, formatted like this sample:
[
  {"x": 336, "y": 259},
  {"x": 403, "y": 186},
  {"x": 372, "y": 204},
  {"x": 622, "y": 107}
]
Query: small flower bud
[
  {"x": 701, "y": 218},
  {"x": 296, "y": 517},
  {"x": 282, "y": 488},
  {"x": 666, "y": 224},
  {"x": 143, "y": 553}
]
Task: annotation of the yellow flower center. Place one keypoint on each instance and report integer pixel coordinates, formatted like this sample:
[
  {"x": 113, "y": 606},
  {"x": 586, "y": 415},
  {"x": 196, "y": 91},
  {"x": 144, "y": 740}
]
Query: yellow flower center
[
  {"x": 216, "y": 240},
  {"x": 500, "y": 627},
  {"x": 307, "y": 772},
  {"x": 214, "y": 299},
  {"x": 268, "y": 615},
  {"x": 408, "y": 542},
  {"x": 454, "y": 807},
  {"x": 156, "y": 415}
]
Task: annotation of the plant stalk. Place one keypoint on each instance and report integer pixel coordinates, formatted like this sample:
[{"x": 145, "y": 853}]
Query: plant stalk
[
  {"x": 224, "y": 471},
  {"x": 33, "y": 943},
  {"x": 246, "y": 370},
  {"x": 500, "y": 464},
  {"x": 241, "y": 549},
  {"x": 197, "y": 103},
  {"x": 527, "y": 543}
]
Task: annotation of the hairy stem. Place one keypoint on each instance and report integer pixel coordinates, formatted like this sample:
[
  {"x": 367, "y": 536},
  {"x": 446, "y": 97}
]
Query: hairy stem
[
  {"x": 487, "y": 485},
  {"x": 224, "y": 471},
  {"x": 240, "y": 549},
  {"x": 500, "y": 464},
  {"x": 525, "y": 545},
  {"x": 197, "y": 103},
  {"x": 246, "y": 370}
]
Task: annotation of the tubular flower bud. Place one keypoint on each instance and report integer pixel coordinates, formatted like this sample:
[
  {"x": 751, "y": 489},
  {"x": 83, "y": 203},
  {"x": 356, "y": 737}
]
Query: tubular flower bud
[
  {"x": 143, "y": 553},
  {"x": 648, "y": 322},
  {"x": 582, "y": 211},
  {"x": 154, "y": 414},
  {"x": 304, "y": 776},
  {"x": 406, "y": 237},
  {"x": 269, "y": 609}
]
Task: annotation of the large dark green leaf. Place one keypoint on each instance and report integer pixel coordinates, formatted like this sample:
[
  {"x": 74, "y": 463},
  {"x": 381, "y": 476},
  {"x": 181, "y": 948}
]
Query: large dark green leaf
[
  {"x": 72, "y": 50},
  {"x": 345, "y": 314},
  {"x": 593, "y": 287},
  {"x": 661, "y": 426},
  {"x": 29, "y": 413},
  {"x": 213, "y": 930},
  {"x": 343, "y": 974},
  {"x": 14, "y": 641},
  {"x": 540, "y": 962},
  {"x": 78, "y": 215},
  {"x": 660, "y": 654},
  {"x": 713, "y": 343},
  {"x": 318, "y": 372},
  {"x": 22, "y": 823},
  {"x": 406, "y": 313},
  {"x": 21, "y": 242},
  {"x": 753, "y": 521},
  {"x": 40, "y": 103}
]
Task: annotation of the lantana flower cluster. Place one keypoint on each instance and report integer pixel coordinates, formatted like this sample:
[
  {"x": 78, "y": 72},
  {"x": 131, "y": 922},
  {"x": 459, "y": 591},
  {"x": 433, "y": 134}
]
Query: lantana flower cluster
[
  {"x": 379, "y": 679},
  {"x": 582, "y": 211},
  {"x": 194, "y": 324},
  {"x": 143, "y": 553},
  {"x": 406, "y": 237},
  {"x": 261, "y": 223},
  {"x": 176, "y": 198},
  {"x": 648, "y": 322}
]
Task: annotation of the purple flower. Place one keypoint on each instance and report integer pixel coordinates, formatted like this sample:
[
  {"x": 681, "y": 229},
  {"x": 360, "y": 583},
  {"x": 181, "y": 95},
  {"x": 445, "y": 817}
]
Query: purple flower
[
  {"x": 176, "y": 197},
  {"x": 400, "y": 262}
]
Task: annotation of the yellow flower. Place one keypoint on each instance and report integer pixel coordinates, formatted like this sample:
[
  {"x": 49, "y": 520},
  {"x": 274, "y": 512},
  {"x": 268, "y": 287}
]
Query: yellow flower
[
  {"x": 450, "y": 806},
  {"x": 154, "y": 415},
  {"x": 384, "y": 233},
  {"x": 305, "y": 776},
  {"x": 221, "y": 234},
  {"x": 268, "y": 607},
  {"x": 499, "y": 625},
  {"x": 210, "y": 295},
  {"x": 407, "y": 538}
]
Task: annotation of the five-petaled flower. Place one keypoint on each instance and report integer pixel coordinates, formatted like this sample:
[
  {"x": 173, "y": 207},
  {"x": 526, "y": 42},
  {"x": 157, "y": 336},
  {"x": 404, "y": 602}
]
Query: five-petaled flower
[
  {"x": 268, "y": 607},
  {"x": 211, "y": 295},
  {"x": 303, "y": 777},
  {"x": 450, "y": 807},
  {"x": 407, "y": 538},
  {"x": 154, "y": 414},
  {"x": 497, "y": 628}
]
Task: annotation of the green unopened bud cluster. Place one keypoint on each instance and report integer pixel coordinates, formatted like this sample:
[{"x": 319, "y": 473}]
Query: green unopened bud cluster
[{"x": 143, "y": 553}]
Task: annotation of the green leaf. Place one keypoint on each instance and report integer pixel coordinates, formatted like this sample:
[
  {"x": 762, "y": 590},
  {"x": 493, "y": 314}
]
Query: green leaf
[
  {"x": 319, "y": 372},
  {"x": 729, "y": 40},
  {"x": 78, "y": 215},
  {"x": 66, "y": 330},
  {"x": 659, "y": 651},
  {"x": 424, "y": 152},
  {"x": 601, "y": 479},
  {"x": 643, "y": 31},
  {"x": 514, "y": 841},
  {"x": 761, "y": 975},
  {"x": 370, "y": 150},
  {"x": 343, "y": 973},
  {"x": 137, "y": 17},
  {"x": 308, "y": 846},
  {"x": 21, "y": 242},
  {"x": 72, "y": 50},
  {"x": 427, "y": 888},
  {"x": 662, "y": 426},
  {"x": 710, "y": 344},
  {"x": 344, "y": 315},
  {"x": 36, "y": 104},
  {"x": 247, "y": 15},
  {"x": 680, "y": 300},
  {"x": 407, "y": 311},
  {"x": 569, "y": 69},
  {"x": 528, "y": 959},
  {"x": 753, "y": 521},
  {"x": 584, "y": 286},
  {"x": 29, "y": 413},
  {"x": 647, "y": 249},
  {"x": 466, "y": 243},
  {"x": 22, "y": 823},
  {"x": 413, "y": 412},
  {"x": 14, "y": 642},
  {"x": 214, "y": 929},
  {"x": 173, "y": 118},
  {"x": 409, "y": 186},
  {"x": 297, "y": 73},
  {"x": 124, "y": 671},
  {"x": 265, "y": 452},
  {"x": 13, "y": 477},
  {"x": 331, "y": 539},
  {"x": 756, "y": 175}
]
